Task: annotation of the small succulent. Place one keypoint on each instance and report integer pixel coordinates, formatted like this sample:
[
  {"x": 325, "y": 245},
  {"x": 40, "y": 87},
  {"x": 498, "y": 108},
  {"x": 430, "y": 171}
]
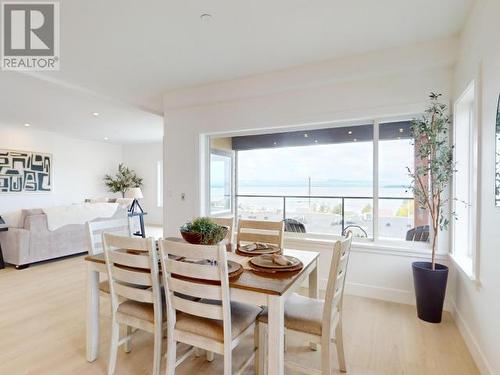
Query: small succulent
[{"x": 211, "y": 233}]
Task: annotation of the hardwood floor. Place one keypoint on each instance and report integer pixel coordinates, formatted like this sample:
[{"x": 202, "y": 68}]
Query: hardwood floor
[{"x": 42, "y": 331}]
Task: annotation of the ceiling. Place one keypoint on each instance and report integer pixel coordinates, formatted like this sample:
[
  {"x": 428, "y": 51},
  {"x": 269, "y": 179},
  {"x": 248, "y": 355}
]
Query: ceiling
[{"x": 133, "y": 51}]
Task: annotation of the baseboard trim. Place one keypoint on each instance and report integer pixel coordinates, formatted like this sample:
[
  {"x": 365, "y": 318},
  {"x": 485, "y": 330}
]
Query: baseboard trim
[
  {"x": 376, "y": 292},
  {"x": 385, "y": 294},
  {"x": 471, "y": 342}
]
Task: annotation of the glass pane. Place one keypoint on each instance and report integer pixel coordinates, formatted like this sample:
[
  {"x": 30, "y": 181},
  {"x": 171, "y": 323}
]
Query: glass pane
[
  {"x": 317, "y": 215},
  {"x": 220, "y": 183},
  {"x": 313, "y": 178},
  {"x": 358, "y": 217},
  {"x": 398, "y": 216},
  {"x": 260, "y": 208}
]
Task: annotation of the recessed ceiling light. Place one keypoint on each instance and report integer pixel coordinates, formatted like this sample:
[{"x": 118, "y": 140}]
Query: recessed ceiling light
[
  {"x": 315, "y": 141},
  {"x": 95, "y": 114},
  {"x": 349, "y": 132},
  {"x": 205, "y": 17},
  {"x": 306, "y": 135},
  {"x": 275, "y": 143},
  {"x": 355, "y": 140},
  {"x": 27, "y": 125},
  {"x": 106, "y": 138}
]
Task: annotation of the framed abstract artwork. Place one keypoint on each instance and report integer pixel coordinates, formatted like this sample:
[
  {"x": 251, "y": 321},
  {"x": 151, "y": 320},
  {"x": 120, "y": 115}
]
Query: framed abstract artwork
[{"x": 25, "y": 172}]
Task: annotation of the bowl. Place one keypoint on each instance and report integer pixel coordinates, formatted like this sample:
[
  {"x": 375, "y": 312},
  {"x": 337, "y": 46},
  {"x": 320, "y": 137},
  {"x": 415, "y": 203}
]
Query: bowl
[
  {"x": 196, "y": 238},
  {"x": 192, "y": 237}
]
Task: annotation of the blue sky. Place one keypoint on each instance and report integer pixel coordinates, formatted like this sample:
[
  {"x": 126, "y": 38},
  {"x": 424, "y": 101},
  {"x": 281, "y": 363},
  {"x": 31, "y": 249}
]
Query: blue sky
[{"x": 347, "y": 161}]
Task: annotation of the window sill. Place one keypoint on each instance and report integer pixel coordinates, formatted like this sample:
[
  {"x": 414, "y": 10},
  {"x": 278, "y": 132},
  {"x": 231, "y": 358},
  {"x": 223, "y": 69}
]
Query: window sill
[
  {"x": 398, "y": 248},
  {"x": 465, "y": 265}
]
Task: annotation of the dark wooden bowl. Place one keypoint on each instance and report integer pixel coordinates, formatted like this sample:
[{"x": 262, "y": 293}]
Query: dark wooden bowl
[
  {"x": 196, "y": 238},
  {"x": 192, "y": 237}
]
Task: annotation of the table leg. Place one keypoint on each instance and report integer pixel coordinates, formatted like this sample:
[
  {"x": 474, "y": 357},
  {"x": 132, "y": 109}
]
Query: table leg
[
  {"x": 143, "y": 230},
  {"x": 92, "y": 314},
  {"x": 2, "y": 263},
  {"x": 276, "y": 336},
  {"x": 313, "y": 282},
  {"x": 313, "y": 293}
]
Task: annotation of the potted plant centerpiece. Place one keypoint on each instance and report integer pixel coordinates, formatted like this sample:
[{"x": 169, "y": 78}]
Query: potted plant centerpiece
[
  {"x": 203, "y": 231},
  {"x": 430, "y": 179}
]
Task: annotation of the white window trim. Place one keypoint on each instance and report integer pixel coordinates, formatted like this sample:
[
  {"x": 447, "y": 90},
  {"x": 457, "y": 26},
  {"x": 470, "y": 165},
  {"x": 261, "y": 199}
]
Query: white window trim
[{"x": 469, "y": 265}]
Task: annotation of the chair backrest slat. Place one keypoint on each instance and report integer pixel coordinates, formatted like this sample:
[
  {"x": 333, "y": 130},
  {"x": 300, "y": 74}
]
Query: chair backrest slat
[
  {"x": 125, "y": 275},
  {"x": 199, "y": 271},
  {"x": 133, "y": 293},
  {"x": 218, "y": 307},
  {"x": 336, "y": 280},
  {"x": 204, "y": 310},
  {"x": 178, "y": 247},
  {"x": 227, "y": 222},
  {"x": 133, "y": 271},
  {"x": 136, "y": 260},
  {"x": 95, "y": 229},
  {"x": 195, "y": 290},
  {"x": 270, "y": 232},
  {"x": 259, "y": 237}
]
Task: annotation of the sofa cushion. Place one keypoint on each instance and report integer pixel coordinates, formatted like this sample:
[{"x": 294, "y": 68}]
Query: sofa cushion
[
  {"x": 28, "y": 212},
  {"x": 13, "y": 219}
]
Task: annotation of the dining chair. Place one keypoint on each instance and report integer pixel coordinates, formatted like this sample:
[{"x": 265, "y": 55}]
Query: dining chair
[
  {"x": 269, "y": 232},
  {"x": 136, "y": 297},
  {"x": 319, "y": 320},
  {"x": 213, "y": 322},
  {"x": 227, "y": 222},
  {"x": 95, "y": 229}
]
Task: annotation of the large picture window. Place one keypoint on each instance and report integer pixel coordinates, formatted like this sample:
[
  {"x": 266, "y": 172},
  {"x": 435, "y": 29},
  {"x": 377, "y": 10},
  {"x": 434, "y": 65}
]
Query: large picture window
[{"x": 327, "y": 181}]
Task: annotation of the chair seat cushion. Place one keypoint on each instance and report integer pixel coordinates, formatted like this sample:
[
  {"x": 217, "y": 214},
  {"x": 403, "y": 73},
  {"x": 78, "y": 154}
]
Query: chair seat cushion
[
  {"x": 139, "y": 310},
  {"x": 242, "y": 316},
  {"x": 302, "y": 314},
  {"x": 104, "y": 286}
]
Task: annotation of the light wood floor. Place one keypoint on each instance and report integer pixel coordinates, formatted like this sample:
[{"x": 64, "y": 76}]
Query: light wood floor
[{"x": 42, "y": 331}]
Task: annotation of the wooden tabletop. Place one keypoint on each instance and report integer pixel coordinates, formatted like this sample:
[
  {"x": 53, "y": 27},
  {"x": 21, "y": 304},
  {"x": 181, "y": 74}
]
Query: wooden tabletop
[{"x": 250, "y": 280}]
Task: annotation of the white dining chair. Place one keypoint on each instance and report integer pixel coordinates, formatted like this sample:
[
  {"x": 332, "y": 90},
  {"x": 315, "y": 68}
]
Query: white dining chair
[
  {"x": 227, "y": 222},
  {"x": 212, "y": 323},
  {"x": 95, "y": 229},
  {"x": 268, "y": 232},
  {"x": 320, "y": 321},
  {"x": 136, "y": 297}
]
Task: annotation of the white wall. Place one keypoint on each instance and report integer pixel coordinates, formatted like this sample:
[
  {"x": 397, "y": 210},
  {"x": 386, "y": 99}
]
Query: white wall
[
  {"x": 387, "y": 83},
  {"x": 79, "y": 167},
  {"x": 143, "y": 158},
  {"x": 478, "y": 307}
]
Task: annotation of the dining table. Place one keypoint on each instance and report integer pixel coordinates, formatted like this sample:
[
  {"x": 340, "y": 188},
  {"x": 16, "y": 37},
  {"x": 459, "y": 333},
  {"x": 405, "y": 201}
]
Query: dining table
[{"x": 249, "y": 287}]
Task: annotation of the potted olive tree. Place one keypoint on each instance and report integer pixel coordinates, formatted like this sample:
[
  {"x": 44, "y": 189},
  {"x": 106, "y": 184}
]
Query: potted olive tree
[
  {"x": 430, "y": 179},
  {"x": 124, "y": 179}
]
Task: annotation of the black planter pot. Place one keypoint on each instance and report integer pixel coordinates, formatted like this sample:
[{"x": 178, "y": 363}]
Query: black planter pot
[{"x": 430, "y": 289}]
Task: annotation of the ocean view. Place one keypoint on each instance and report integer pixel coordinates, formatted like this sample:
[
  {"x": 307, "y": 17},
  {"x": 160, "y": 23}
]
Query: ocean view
[{"x": 323, "y": 215}]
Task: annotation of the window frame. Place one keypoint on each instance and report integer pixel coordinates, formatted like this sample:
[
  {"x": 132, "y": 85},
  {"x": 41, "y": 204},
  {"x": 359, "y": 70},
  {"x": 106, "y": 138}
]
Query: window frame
[
  {"x": 393, "y": 244},
  {"x": 231, "y": 156},
  {"x": 468, "y": 264}
]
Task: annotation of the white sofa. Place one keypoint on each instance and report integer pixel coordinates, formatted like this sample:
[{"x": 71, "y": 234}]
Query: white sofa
[{"x": 31, "y": 240}]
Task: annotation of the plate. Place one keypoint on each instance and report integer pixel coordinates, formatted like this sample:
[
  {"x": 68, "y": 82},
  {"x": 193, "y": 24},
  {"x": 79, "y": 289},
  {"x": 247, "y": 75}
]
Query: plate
[
  {"x": 266, "y": 261},
  {"x": 268, "y": 250}
]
